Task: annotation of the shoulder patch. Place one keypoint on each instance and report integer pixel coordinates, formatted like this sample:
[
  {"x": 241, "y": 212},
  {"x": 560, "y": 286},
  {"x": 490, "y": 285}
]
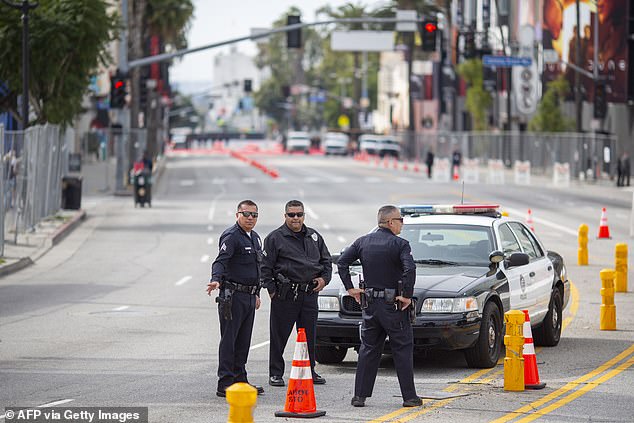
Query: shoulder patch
[
  {"x": 314, "y": 236},
  {"x": 264, "y": 252},
  {"x": 223, "y": 247}
]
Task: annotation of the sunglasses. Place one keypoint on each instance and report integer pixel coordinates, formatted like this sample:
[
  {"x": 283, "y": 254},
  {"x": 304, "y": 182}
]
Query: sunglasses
[
  {"x": 300, "y": 214},
  {"x": 249, "y": 214}
]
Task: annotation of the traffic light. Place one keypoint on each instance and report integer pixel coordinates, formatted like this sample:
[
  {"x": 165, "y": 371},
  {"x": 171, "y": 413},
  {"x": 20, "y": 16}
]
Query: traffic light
[
  {"x": 294, "y": 36},
  {"x": 117, "y": 91},
  {"x": 428, "y": 34},
  {"x": 247, "y": 86},
  {"x": 600, "y": 100}
]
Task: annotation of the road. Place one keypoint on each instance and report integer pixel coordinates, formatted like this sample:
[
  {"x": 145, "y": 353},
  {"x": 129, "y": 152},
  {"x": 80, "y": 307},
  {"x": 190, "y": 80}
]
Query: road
[{"x": 117, "y": 314}]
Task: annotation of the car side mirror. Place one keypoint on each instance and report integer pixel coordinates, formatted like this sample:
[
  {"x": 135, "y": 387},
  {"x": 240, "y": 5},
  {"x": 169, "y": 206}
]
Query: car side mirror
[
  {"x": 517, "y": 259},
  {"x": 494, "y": 259}
]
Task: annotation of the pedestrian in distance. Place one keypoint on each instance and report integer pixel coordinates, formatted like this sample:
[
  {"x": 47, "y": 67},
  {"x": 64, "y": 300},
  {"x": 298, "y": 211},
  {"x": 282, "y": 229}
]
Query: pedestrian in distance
[
  {"x": 236, "y": 272},
  {"x": 623, "y": 171},
  {"x": 429, "y": 161},
  {"x": 389, "y": 274},
  {"x": 295, "y": 268}
]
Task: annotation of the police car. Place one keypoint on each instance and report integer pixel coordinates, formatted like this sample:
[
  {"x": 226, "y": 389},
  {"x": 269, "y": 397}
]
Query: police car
[{"x": 472, "y": 266}]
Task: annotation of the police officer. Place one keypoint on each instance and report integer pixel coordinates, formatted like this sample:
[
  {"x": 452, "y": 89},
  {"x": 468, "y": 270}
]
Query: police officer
[
  {"x": 386, "y": 260},
  {"x": 295, "y": 268},
  {"x": 236, "y": 271}
]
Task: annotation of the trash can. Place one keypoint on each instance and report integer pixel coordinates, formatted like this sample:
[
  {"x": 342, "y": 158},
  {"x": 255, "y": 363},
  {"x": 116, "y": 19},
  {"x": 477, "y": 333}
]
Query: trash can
[{"x": 71, "y": 193}]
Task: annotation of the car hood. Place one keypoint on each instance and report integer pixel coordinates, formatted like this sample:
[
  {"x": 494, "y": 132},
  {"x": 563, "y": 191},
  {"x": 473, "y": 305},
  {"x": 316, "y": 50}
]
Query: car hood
[{"x": 447, "y": 280}]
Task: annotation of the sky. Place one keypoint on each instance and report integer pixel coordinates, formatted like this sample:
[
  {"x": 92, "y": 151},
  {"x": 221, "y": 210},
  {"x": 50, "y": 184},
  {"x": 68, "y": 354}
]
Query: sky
[{"x": 216, "y": 21}]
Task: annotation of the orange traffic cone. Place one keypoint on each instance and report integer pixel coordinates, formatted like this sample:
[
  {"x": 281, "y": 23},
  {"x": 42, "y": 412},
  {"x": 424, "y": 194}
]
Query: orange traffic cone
[
  {"x": 604, "y": 231},
  {"x": 416, "y": 168},
  {"x": 529, "y": 220},
  {"x": 300, "y": 397},
  {"x": 385, "y": 164},
  {"x": 531, "y": 374},
  {"x": 405, "y": 167},
  {"x": 456, "y": 173}
]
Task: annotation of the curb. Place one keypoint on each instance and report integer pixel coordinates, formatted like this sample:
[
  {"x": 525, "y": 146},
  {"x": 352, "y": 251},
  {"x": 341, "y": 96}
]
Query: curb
[{"x": 53, "y": 240}]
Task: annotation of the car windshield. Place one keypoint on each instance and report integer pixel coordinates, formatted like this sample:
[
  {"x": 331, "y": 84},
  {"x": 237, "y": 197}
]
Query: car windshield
[{"x": 442, "y": 244}]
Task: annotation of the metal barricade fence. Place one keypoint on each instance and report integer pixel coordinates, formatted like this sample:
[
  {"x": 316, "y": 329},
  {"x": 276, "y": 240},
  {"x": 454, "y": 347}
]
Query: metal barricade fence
[
  {"x": 590, "y": 155},
  {"x": 3, "y": 193}
]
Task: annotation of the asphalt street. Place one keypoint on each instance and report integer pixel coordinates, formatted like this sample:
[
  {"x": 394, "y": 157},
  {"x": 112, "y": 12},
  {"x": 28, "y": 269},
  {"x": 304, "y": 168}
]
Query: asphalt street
[{"x": 117, "y": 313}]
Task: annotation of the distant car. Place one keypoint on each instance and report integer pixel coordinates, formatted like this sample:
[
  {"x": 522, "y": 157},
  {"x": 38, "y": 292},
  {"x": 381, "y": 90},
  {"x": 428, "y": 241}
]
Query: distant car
[
  {"x": 335, "y": 143},
  {"x": 380, "y": 145},
  {"x": 298, "y": 141},
  {"x": 369, "y": 143},
  {"x": 388, "y": 146},
  {"x": 472, "y": 266}
]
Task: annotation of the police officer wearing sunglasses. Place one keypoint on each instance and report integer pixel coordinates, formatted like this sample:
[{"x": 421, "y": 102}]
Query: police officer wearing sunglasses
[
  {"x": 295, "y": 268},
  {"x": 387, "y": 264},
  {"x": 236, "y": 271}
]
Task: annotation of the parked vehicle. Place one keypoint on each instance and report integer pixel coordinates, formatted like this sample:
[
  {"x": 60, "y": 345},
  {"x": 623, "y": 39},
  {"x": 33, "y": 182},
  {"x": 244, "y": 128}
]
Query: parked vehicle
[
  {"x": 298, "y": 141},
  {"x": 380, "y": 145},
  {"x": 336, "y": 143},
  {"x": 472, "y": 266}
]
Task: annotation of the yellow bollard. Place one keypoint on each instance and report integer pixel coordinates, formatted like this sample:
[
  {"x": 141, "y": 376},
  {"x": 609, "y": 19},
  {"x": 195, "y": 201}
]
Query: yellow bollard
[
  {"x": 241, "y": 398},
  {"x": 514, "y": 341},
  {"x": 608, "y": 309},
  {"x": 582, "y": 253},
  {"x": 620, "y": 280}
]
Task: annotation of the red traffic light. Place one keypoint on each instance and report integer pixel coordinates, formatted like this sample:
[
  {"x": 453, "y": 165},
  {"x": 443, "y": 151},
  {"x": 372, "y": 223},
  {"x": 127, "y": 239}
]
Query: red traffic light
[
  {"x": 431, "y": 27},
  {"x": 118, "y": 84}
]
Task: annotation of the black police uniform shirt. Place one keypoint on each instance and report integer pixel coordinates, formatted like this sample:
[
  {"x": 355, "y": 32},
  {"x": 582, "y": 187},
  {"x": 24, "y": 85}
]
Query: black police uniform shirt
[
  {"x": 386, "y": 259},
  {"x": 237, "y": 259},
  {"x": 299, "y": 258}
]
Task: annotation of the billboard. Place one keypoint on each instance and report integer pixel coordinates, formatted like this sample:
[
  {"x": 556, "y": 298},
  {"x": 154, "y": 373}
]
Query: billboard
[{"x": 559, "y": 25}]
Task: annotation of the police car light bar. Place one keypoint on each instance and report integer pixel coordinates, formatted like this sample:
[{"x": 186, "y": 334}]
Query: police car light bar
[{"x": 411, "y": 210}]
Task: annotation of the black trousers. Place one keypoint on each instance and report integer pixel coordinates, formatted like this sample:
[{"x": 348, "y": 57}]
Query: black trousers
[
  {"x": 381, "y": 319},
  {"x": 235, "y": 340},
  {"x": 284, "y": 314}
]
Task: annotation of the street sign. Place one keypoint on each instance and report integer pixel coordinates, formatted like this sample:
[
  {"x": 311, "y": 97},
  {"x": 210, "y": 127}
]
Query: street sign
[
  {"x": 506, "y": 61},
  {"x": 343, "y": 121}
]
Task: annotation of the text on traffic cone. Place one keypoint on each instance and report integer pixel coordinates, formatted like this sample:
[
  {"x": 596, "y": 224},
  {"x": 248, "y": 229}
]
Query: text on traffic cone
[{"x": 300, "y": 396}]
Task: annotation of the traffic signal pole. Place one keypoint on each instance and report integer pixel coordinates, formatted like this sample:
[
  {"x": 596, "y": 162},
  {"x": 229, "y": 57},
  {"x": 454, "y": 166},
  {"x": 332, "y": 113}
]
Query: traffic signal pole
[{"x": 123, "y": 113}]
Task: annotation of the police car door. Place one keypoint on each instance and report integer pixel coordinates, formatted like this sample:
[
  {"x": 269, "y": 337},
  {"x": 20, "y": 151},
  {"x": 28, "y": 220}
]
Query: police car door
[
  {"x": 517, "y": 276},
  {"x": 540, "y": 277}
]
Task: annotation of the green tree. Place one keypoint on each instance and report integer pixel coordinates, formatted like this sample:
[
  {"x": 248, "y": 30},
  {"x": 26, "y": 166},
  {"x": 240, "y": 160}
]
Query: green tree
[
  {"x": 478, "y": 99},
  {"x": 68, "y": 41},
  {"x": 170, "y": 20},
  {"x": 549, "y": 117}
]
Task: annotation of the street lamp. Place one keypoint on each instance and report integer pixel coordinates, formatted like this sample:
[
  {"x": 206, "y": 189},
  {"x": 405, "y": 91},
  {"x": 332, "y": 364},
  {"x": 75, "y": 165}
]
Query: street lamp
[{"x": 24, "y": 6}]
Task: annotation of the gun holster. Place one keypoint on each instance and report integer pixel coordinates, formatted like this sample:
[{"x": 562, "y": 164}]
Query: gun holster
[
  {"x": 364, "y": 296},
  {"x": 225, "y": 300},
  {"x": 411, "y": 310}
]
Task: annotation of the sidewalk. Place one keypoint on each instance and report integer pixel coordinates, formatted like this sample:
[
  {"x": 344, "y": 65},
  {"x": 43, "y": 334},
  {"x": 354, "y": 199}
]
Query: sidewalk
[{"x": 98, "y": 180}]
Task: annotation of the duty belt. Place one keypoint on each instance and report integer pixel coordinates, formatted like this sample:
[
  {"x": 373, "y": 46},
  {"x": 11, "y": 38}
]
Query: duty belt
[
  {"x": 387, "y": 294},
  {"x": 234, "y": 286}
]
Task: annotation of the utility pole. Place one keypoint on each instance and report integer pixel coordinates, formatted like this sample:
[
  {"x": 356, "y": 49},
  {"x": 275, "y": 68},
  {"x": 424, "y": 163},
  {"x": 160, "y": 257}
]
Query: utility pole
[
  {"x": 25, "y": 7},
  {"x": 123, "y": 114},
  {"x": 578, "y": 104}
]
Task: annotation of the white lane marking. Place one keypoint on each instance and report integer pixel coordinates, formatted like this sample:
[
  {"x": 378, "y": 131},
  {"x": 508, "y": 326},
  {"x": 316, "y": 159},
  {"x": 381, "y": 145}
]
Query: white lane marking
[
  {"x": 312, "y": 179},
  {"x": 210, "y": 227},
  {"x": 372, "y": 179},
  {"x": 341, "y": 239},
  {"x": 187, "y": 183},
  {"x": 249, "y": 180},
  {"x": 212, "y": 208},
  {"x": 339, "y": 179},
  {"x": 183, "y": 280},
  {"x": 210, "y": 241},
  {"x": 121, "y": 308},
  {"x": 261, "y": 344},
  {"x": 326, "y": 226},
  {"x": 544, "y": 222},
  {"x": 205, "y": 258},
  {"x": 280, "y": 181},
  {"x": 54, "y": 403},
  {"x": 311, "y": 213},
  {"x": 218, "y": 181}
]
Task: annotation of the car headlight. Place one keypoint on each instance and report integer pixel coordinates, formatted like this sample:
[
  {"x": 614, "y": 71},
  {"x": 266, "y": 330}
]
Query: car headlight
[
  {"x": 449, "y": 305},
  {"x": 328, "y": 303}
]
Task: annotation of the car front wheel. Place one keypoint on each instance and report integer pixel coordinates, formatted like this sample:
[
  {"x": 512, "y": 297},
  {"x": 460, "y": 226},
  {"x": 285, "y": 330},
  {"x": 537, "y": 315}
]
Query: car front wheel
[
  {"x": 330, "y": 355},
  {"x": 549, "y": 332},
  {"x": 486, "y": 351}
]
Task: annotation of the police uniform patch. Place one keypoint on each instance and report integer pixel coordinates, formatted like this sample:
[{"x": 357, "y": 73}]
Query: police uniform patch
[
  {"x": 223, "y": 247},
  {"x": 314, "y": 237},
  {"x": 264, "y": 253}
]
